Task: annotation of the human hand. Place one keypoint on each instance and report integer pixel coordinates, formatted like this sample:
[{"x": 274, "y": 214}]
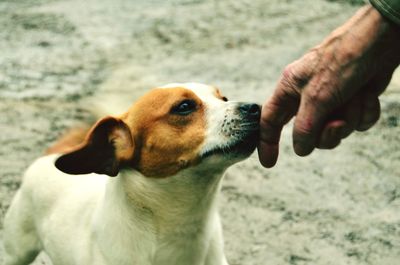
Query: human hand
[{"x": 333, "y": 89}]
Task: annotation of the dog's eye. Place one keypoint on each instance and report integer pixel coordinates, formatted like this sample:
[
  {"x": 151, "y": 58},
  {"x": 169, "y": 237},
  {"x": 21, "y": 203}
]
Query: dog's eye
[{"x": 185, "y": 107}]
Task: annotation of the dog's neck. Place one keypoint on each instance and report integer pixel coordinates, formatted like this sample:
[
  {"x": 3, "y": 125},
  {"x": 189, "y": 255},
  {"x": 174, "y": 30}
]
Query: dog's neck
[
  {"x": 172, "y": 200},
  {"x": 172, "y": 209}
]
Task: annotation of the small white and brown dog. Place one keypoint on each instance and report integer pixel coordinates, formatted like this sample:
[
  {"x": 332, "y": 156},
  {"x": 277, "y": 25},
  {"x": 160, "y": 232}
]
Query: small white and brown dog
[{"x": 169, "y": 152}]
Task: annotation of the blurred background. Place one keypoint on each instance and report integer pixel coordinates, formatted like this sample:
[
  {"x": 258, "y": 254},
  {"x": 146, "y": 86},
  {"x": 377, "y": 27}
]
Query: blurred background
[{"x": 59, "y": 58}]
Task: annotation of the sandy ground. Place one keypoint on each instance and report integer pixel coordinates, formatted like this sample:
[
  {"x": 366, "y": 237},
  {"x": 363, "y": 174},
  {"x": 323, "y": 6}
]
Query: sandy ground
[{"x": 333, "y": 207}]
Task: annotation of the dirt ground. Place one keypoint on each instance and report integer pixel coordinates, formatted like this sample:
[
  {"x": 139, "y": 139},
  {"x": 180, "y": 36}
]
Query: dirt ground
[{"x": 333, "y": 207}]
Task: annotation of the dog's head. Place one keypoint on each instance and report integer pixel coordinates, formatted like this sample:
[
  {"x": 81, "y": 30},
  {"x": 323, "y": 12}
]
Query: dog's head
[{"x": 169, "y": 129}]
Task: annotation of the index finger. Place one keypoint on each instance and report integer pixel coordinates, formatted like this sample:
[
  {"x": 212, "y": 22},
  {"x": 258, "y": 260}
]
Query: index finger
[{"x": 276, "y": 112}]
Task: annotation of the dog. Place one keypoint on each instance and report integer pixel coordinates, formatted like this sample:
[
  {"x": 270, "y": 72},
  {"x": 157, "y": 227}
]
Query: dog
[{"x": 166, "y": 157}]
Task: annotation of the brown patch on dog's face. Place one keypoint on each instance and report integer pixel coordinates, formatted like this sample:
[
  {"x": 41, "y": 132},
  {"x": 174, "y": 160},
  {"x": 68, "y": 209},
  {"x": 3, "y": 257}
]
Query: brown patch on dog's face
[{"x": 168, "y": 126}]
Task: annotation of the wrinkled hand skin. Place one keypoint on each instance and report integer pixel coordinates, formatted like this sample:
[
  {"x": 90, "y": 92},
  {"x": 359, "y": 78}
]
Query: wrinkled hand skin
[{"x": 333, "y": 89}]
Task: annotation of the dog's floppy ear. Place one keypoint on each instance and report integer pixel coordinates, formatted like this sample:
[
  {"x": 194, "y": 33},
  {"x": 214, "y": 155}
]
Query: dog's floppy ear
[{"x": 107, "y": 146}]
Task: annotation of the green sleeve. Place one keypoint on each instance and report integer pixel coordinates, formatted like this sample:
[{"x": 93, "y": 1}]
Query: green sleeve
[{"x": 388, "y": 8}]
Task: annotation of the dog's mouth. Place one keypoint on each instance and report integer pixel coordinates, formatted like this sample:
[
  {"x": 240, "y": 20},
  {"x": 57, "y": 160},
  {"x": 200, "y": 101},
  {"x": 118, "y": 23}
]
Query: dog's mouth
[{"x": 242, "y": 146}]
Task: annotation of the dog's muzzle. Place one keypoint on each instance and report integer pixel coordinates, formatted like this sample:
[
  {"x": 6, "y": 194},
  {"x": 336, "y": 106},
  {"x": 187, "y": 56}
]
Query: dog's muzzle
[
  {"x": 248, "y": 128},
  {"x": 241, "y": 130}
]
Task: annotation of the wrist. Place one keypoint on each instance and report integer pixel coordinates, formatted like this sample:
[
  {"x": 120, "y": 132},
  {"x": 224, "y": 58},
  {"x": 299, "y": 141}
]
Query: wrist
[
  {"x": 390, "y": 9},
  {"x": 368, "y": 37},
  {"x": 385, "y": 44}
]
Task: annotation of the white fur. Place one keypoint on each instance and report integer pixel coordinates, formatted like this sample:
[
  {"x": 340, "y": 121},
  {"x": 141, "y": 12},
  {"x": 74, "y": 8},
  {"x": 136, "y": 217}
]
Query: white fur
[{"x": 127, "y": 220}]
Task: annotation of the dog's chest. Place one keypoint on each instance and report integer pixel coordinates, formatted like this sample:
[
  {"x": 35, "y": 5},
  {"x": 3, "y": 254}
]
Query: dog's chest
[
  {"x": 170, "y": 235},
  {"x": 186, "y": 245}
]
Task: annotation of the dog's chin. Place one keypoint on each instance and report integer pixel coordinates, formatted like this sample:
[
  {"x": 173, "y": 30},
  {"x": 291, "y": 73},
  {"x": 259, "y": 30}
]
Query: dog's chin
[{"x": 238, "y": 150}]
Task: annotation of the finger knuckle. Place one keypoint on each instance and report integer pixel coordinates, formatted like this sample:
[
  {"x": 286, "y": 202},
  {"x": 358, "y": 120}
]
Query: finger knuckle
[
  {"x": 304, "y": 129},
  {"x": 288, "y": 73},
  {"x": 317, "y": 95},
  {"x": 293, "y": 76}
]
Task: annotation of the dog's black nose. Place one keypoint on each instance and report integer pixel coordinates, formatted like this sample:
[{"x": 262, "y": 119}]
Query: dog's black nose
[{"x": 252, "y": 111}]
